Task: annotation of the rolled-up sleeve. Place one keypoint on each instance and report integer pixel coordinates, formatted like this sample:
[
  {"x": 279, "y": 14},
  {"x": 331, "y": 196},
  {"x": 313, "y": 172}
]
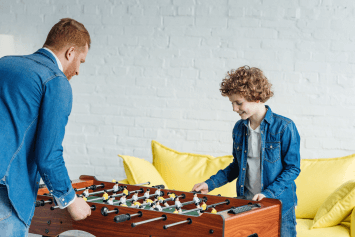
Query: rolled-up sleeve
[{"x": 53, "y": 116}]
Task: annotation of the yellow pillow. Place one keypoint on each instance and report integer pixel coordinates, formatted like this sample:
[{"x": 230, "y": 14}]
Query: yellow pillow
[
  {"x": 318, "y": 179},
  {"x": 337, "y": 206},
  {"x": 182, "y": 171},
  {"x": 141, "y": 171}
]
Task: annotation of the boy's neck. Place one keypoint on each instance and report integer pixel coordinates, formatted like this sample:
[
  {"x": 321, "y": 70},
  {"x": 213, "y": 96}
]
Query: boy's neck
[{"x": 255, "y": 119}]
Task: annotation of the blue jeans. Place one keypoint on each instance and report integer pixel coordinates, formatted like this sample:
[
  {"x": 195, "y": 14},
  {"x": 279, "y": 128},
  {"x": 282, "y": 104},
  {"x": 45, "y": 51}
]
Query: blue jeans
[
  {"x": 10, "y": 224},
  {"x": 288, "y": 224}
]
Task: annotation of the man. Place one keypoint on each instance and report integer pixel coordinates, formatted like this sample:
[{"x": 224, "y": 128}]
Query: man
[{"x": 35, "y": 102}]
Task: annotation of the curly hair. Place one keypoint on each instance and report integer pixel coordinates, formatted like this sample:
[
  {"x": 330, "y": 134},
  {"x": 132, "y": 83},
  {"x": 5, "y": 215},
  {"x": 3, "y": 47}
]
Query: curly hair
[{"x": 250, "y": 83}]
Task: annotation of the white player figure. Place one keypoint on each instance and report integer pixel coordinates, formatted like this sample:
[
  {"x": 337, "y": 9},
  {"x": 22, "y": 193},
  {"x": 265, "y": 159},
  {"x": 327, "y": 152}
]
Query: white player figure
[
  {"x": 110, "y": 200},
  {"x": 157, "y": 192},
  {"x": 135, "y": 197},
  {"x": 177, "y": 203},
  {"x": 86, "y": 192},
  {"x": 123, "y": 200},
  {"x": 196, "y": 200},
  {"x": 157, "y": 205},
  {"x": 115, "y": 187},
  {"x": 146, "y": 194},
  {"x": 152, "y": 206}
]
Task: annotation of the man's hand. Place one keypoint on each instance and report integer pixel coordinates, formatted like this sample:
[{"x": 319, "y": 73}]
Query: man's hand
[
  {"x": 258, "y": 197},
  {"x": 79, "y": 209},
  {"x": 203, "y": 187}
]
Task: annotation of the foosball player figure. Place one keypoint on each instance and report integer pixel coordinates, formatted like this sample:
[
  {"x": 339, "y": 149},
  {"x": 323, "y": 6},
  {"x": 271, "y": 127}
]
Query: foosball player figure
[
  {"x": 157, "y": 205},
  {"x": 161, "y": 200},
  {"x": 125, "y": 191},
  {"x": 204, "y": 205},
  {"x": 153, "y": 207},
  {"x": 136, "y": 204},
  {"x": 115, "y": 188},
  {"x": 105, "y": 196},
  {"x": 86, "y": 192},
  {"x": 179, "y": 210},
  {"x": 135, "y": 197},
  {"x": 176, "y": 211},
  {"x": 196, "y": 200},
  {"x": 110, "y": 200},
  {"x": 171, "y": 195},
  {"x": 85, "y": 199},
  {"x": 123, "y": 200},
  {"x": 177, "y": 202},
  {"x": 214, "y": 211},
  {"x": 157, "y": 192},
  {"x": 146, "y": 194}
]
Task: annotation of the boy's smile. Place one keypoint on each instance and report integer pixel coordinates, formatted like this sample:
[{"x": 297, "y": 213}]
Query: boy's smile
[{"x": 255, "y": 111}]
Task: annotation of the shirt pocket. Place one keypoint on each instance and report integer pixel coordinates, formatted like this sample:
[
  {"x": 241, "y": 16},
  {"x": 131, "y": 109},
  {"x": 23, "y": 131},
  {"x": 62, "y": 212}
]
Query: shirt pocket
[{"x": 272, "y": 151}]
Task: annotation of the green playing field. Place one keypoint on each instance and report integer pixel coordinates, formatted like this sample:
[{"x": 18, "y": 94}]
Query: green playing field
[{"x": 115, "y": 203}]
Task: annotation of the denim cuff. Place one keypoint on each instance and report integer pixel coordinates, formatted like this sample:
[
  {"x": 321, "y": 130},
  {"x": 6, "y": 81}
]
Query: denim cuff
[
  {"x": 211, "y": 185},
  {"x": 267, "y": 193},
  {"x": 66, "y": 199}
]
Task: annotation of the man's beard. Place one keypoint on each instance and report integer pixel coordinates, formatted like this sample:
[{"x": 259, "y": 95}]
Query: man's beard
[{"x": 70, "y": 71}]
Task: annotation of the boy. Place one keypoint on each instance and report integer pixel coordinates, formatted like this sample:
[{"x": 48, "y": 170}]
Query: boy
[{"x": 266, "y": 147}]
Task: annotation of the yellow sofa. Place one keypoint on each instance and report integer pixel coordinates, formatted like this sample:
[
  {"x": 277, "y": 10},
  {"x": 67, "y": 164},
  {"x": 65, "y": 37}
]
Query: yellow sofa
[{"x": 325, "y": 187}]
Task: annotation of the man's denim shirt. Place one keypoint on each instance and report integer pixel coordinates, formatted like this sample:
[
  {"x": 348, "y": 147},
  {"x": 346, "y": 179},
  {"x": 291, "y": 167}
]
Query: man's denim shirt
[
  {"x": 35, "y": 102},
  {"x": 280, "y": 159}
]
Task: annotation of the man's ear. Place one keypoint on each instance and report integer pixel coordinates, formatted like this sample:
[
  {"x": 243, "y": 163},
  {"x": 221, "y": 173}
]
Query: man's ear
[{"x": 70, "y": 54}]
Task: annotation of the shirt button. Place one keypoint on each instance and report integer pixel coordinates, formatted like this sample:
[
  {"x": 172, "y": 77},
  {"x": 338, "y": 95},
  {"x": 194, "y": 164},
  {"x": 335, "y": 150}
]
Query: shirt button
[
  {"x": 270, "y": 146},
  {"x": 63, "y": 199},
  {"x": 246, "y": 134},
  {"x": 65, "y": 203},
  {"x": 243, "y": 168},
  {"x": 245, "y": 151},
  {"x": 51, "y": 191},
  {"x": 241, "y": 186}
]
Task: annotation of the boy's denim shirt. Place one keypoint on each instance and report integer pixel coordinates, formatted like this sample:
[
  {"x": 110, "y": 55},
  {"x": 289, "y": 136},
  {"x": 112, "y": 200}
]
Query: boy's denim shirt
[
  {"x": 280, "y": 159},
  {"x": 35, "y": 103}
]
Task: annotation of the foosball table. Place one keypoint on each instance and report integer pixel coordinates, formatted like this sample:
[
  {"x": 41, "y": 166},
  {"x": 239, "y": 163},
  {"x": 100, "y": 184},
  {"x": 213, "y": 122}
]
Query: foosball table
[{"x": 129, "y": 210}]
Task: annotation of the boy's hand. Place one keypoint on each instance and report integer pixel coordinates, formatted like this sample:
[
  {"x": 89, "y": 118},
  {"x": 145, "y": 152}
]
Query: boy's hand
[
  {"x": 258, "y": 197},
  {"x": 79, "y": 209},
  {"x": 203, "y": 187}
]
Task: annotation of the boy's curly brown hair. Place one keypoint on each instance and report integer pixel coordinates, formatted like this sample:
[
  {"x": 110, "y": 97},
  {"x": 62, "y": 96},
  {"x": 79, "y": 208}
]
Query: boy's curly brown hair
[{"x": 250, "y": 83}]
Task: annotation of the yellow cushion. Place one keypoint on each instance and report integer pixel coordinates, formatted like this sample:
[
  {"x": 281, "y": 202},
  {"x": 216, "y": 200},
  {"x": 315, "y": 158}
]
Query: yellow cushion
[
  {"x": 141, "y": 171},
  {"x": 303, "y": 229},
  {"x": 318, "y": 179},
  {"x": 183, "y": 170},
  {"x": 336, "y": 207}
]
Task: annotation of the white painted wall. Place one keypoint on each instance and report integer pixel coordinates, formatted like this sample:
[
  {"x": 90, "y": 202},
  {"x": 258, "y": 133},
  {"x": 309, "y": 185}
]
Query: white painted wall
[{"x": 155, "y": 67}]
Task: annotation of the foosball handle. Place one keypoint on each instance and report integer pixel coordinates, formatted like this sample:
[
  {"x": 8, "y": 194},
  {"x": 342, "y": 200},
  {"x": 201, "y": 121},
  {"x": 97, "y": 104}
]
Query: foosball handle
[
  {"x": 93, "y": 207},
  {"x": 122, "y": 218}
]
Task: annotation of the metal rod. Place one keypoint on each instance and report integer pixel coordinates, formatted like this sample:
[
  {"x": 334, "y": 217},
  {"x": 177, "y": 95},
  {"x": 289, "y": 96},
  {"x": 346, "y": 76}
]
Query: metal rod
[
  {"x": 163, "y": 217},
  {"x": 188, "y": 220},
  {"x": 183, "y": 204}
]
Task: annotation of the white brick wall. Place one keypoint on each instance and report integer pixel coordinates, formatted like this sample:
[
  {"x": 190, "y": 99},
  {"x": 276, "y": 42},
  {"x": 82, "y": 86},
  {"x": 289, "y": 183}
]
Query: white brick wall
[{"x": 154, "y": 70}]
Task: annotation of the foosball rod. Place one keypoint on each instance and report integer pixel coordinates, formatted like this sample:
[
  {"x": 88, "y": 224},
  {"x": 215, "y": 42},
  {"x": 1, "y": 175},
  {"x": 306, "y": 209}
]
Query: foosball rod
[
  {"x": 207, "y": 207},
  {"x": 114, "y": 195},
  {"x": 126, "y": 217},
  {"x": 163, "y": 217},
  {"x": 92, "y": 187},
  {"x": 93, "y": 207},
  {"x": 42, "y": 202},
  {"x": 182, "y": 204},
  {"x": 188, "y": 221}
]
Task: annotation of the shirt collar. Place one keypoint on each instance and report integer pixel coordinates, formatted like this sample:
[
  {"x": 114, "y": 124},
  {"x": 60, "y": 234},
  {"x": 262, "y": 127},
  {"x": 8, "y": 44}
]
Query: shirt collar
[
  {"x": 268, "y": 117},
  {"x": 257, "y": 130},
  {"x": 56, "y": 58}
]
